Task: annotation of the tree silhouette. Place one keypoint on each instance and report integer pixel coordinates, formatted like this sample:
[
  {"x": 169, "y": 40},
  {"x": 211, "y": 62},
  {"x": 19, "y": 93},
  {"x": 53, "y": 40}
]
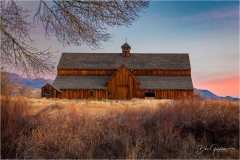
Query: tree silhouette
[
  {"x": 16, "y": 44},
  {"x": 72, "y": 22}
]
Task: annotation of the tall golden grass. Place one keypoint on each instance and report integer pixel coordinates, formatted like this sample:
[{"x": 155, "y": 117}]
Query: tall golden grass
[{"x": 72, "y": 131}]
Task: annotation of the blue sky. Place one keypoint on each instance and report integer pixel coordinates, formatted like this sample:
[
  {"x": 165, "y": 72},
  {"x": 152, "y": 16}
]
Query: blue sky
[{"x": 207, "y": 30}]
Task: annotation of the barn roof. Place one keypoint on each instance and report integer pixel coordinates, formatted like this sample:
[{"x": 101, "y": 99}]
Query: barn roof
[
  {"x": 115, "y": 60},
  {"x": 165, "y": 82},
  {"x": 80, "y": 82},
  {"x": 99, "y": 82},
  {"x": 51, "y": 86},
  {"x": 125, "y": 45}
]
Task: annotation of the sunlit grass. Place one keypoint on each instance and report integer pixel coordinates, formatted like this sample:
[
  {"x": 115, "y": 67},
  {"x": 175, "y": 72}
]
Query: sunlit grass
[{"x": 70, "y": 129}]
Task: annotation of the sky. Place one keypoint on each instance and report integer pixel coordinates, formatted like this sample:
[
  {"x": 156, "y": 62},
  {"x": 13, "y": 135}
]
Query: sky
[{"x": 207, "y": 30}]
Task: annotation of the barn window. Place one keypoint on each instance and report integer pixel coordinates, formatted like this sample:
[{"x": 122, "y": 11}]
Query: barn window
[
  {"x": 109, "y": 94},
  {"x": 91, "y": 93},
  {"x": 47, "y": 94},
  {"x": 149, "y": 94}
]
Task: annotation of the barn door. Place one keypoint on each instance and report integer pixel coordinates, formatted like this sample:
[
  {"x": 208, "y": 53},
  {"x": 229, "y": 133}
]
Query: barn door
[{"x": 122, "y": 92}]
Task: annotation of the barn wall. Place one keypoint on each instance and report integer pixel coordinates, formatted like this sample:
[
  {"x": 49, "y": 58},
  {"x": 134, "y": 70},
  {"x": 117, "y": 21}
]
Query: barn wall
[
  {"x": 160, "y": 72},
  {"x": 54, "y": 92},
  {"x": 97, "y": 94},
  {"x": 86, "y": 72},
  {"x": 124, "y": 92},
  {"x": 167, "y": 94},
  {"x": 134, "y": 72},
  {"x": 122, "y": 85}
]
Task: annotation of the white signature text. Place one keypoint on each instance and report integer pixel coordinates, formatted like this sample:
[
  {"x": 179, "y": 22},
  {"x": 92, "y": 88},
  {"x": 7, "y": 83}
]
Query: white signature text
[{"x": 213, "y": 148}]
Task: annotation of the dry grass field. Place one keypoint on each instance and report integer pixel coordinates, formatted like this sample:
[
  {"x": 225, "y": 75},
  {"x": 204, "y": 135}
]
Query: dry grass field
[{"x": 135, "y": 129}]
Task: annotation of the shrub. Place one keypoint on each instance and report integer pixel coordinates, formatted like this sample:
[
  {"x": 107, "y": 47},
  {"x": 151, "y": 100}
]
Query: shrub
[{"x": 169, "y": 131}]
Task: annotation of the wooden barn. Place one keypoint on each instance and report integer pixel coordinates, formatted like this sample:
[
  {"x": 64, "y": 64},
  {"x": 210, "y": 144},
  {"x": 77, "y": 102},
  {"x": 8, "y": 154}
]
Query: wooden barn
[{"x": 121, "y": 76}]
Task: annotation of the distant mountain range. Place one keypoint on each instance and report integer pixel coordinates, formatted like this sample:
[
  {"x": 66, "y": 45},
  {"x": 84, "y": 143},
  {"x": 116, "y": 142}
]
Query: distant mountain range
[
  {"x": 38, "y": 83},
  {"x": 35, "y": 83},
  {"x": 206, "y": 94}
]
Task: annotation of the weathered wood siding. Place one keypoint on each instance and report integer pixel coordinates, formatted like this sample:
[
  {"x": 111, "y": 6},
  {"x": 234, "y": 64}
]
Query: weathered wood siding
[
  {"x": 123, "y": 91},
  {"x": 156, "y": 72},
  {"x": 167, "y": 94},
  {"x": 122, "y": 85},
  {"x": 133, "y": 71},
  {"x": 53, "y": 91},
  {"x": 96, "y": 94},
  {"x": 86, "y": 72}
]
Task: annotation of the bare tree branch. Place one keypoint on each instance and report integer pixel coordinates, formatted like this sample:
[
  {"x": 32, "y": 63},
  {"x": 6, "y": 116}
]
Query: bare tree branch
[
  {"x": 16, "y": 43},
  {"x": 78, "y": 22},
  {"x": 72, "y": 22}
]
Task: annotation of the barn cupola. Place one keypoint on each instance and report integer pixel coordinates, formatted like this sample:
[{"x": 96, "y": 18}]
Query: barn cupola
[{"x": 125, "y": 50}]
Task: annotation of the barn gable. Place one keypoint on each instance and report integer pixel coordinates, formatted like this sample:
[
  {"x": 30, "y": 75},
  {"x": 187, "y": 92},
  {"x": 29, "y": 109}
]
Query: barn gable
[
  {"x": 122, "y": 69},
  {"x": 122, "y": 85},
  {"x": 50, "y": 91}
]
